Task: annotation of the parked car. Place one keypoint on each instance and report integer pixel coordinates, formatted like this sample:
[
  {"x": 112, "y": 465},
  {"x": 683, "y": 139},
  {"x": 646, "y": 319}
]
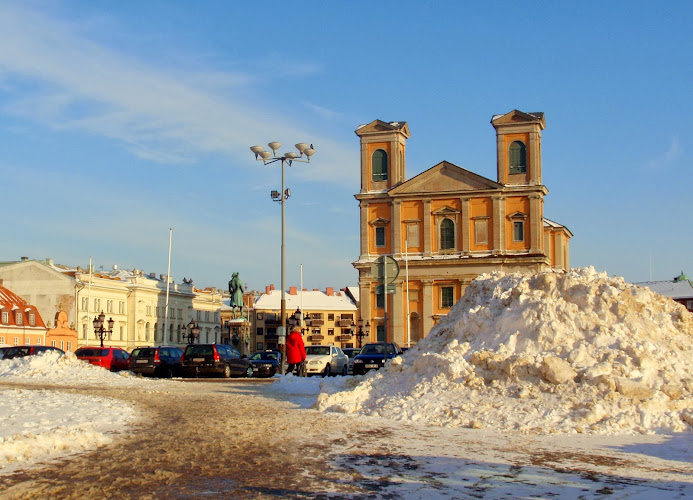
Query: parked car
[
  {"x": 20, "y": 351},
  {"x": 374, "y": 355},
  {"x": 114, "y": 359},
  {"x": 214, "y": 359},
  {"x": 161, "y": 361},
  {"x": 326, "y": 360},
  {"x": 351, "y": 353},
  {"x": 266, "y": 363},
  {"x": 2, "y": 351}
]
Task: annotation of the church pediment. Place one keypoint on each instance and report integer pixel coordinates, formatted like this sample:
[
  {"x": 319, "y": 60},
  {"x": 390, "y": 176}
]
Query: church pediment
[
  {"x": 445, "y": 211},
  {"x": 517, "y": 117},
  {"x": 380, "y": 221},
  {"x": 32, "y": 270},
  {"x": 379, "y": 126},
  {"x": 444, "y": 177}
]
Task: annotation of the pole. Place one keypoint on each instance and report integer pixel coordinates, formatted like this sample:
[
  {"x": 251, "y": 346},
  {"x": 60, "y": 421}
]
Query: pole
[
  {"x": 88, "y": 303},
  {"x": 406, "y": 280},
  {"x": 301, "y": 299},
  {"x": 282, "y": 327},
  {"x": 168, "y": 273},
  {"x": 385, "y": 294}
]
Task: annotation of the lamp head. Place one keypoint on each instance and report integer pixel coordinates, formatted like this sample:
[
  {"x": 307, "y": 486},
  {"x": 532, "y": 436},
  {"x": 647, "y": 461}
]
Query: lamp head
[
  {"x": 274, "y": 146},
  {"x": 301, "y": 146},
  {"x": 264, "y": 154}
]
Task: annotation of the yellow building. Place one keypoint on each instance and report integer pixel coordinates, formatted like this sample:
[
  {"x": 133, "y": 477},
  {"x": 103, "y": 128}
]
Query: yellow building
[{"x": 447, "y": 225}]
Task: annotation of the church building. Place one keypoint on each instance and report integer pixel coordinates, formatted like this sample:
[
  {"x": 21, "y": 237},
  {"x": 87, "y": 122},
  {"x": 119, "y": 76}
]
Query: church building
[{"x": 442, "y": 228}]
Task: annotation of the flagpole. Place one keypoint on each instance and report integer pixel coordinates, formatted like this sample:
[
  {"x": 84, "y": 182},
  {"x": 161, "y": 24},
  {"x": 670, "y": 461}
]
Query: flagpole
[
  {"x": 406, "y": 278},
  {"x": 86, "y": 331},
  {"x": 168, "y": 281}
]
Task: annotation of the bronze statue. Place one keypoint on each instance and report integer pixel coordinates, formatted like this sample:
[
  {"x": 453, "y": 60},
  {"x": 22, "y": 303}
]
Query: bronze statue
[{"x": 236, "y": 291}]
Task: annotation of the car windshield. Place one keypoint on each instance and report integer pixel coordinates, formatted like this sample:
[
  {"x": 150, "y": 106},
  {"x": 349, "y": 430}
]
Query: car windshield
[
  {"x": 373, "y": 349},
  {"x": 146, "y": 352},
  {"x": 199, "y": 350},
  {"x": 318, "y": 350},
  {"x": 91, "y": 353},
  {"x": 352, "y": 352},
  {"x": 17, "y": 351},
  {"x": 271, "y": 356}
]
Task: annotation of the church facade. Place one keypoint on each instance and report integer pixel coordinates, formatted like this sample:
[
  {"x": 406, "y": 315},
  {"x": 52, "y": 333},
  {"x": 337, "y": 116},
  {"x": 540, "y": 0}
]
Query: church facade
[{"x": 447, "y": 225}]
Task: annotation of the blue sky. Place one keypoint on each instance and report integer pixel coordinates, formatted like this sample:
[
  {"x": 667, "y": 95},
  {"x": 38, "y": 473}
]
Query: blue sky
[{"x": 121, "y": 119}]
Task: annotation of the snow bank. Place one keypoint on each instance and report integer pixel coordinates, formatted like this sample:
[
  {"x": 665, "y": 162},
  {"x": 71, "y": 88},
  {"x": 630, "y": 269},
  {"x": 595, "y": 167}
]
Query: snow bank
[{"x": 543, "y": 353}]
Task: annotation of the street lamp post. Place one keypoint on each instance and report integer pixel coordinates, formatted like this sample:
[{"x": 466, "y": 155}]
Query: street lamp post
[
  {"x": 99, "y": 328},
  {"x": 361, "y": 332},
  {"x": 305, "y": 151},
  {"x": 194, "y": 332}
]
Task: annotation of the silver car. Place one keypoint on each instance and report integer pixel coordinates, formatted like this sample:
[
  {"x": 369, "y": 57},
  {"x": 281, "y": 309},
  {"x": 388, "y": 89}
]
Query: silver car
[{"x": 326, "y": 360}]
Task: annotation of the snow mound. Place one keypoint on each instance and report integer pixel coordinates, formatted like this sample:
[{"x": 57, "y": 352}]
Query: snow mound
[
  {"x": 542, "y": 353},
  {"x": 52, "y": 368}
]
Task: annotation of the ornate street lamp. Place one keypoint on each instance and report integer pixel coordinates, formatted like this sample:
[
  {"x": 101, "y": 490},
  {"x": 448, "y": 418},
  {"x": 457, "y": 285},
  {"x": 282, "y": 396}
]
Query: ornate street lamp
[
  {"x": 194, "y": 332},
  {"x": 305, "y": 151},
  {"x": 361, "y": 332},
  {"x": 99, "y": 328}
]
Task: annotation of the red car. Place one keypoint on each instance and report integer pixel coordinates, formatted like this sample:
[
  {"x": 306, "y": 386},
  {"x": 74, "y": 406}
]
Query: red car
[{"x": 111, "y": 358}]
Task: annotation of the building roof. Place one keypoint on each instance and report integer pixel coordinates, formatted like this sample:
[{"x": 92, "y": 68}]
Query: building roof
[
  {"x": 675, "y": 289},
  {"x": 311, "y": 300},
  {"x": 10, "y": 301}
]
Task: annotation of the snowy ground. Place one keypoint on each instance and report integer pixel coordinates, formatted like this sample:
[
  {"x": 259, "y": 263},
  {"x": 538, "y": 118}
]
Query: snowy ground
[
  {"x": 421, "y": 462},
  {"x": 567, "y": 385}
]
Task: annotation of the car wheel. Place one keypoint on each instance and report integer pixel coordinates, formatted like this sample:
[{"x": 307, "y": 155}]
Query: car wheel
[
  {"x": 328, "y": 371},
  {"x": 344, "y": 371},
  {"x": 168, "y": 372},
  {"x": 227, "y": 371},
  {"x": 249, "y": 372}
]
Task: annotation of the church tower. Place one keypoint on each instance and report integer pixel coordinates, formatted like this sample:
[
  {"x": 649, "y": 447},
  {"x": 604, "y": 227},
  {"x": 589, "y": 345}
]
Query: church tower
[
  {"x": 518, "y": 143},
  {"x": 383, "y": 146}
]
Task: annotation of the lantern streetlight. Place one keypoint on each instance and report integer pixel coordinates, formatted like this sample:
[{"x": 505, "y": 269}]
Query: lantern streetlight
[
  {"x": 305, "y": 151},
  {"x": 193, "y": 332},
  {"x": 99, "y": 329}
]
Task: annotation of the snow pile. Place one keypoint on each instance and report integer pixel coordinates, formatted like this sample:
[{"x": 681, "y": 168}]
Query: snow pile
[
  {"x": 54, "y": 369},
  {"x": 543, "y": 353}
]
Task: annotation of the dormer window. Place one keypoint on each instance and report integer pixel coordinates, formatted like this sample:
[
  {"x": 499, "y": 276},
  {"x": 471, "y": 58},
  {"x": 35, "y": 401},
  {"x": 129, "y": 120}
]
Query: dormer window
[
  {"x": 518, "y": 158},
  {"x": 379, "y": 165},
  {"x": 18, "y": 318},
  {"x": 5, "y": 317}
]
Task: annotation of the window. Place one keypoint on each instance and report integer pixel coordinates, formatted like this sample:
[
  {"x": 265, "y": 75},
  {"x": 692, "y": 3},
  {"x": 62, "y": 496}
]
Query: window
[
  {"x": 109, "y": 306},
  {"x": 330, "y": 331},
  {"x": 32, "y": 319},
  {"x": 18, "y": 318},
  {"x": 412, "y": 235},
  {"x": 518, "y": 158},
  {"x": 380, "y": 236},
  {"x": 2, "y": 340},
  {"x": 481, "y": 231},
  {"x": 69, "y": 345},
  {"x": 5, "y": 317},
  {"x": 16, "y": 341},
  {"x": 447, "y": 296},
  {"x": 97, "y": 305},
  {"x": 39, "y": 341},
  {"x": 121, "y": 307},
  {"x": 379, "y": 165},
  {"x": 259, "y": 332},
  {"x": 380, "y": 300},
  {"x": 447, "y": 234},
  {"x": 85, "y": 303},
  {"x": 330, "y": 316},
  {"x": 518, "y": 231}
]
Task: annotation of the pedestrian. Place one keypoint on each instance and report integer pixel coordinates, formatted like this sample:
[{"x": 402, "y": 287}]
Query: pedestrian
[{"x": 295, "y": 350}]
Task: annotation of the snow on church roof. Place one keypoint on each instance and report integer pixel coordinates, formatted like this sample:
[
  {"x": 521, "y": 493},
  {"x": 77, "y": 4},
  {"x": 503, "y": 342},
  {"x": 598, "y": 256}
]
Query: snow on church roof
[{"x": 313, "y": 300}]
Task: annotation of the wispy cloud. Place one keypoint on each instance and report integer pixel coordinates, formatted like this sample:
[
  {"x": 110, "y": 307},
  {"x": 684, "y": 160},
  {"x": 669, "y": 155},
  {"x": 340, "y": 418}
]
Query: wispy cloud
[
  {"x": 669, "y": 157},
  {"x": 160, "y": 114}
]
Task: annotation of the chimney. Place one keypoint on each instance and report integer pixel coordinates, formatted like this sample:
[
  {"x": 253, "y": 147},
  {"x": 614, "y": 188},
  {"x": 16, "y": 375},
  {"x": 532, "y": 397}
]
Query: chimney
[
  {"x": 115, "y": 268},
  {"x": 267, "y": 289},
  {"x": 0, "y": 281},
  {"x": 293, "y": 290},
  {"x": 272, "y": 286},
  {"x": 152, "y": 275},
  {"x": 329, "y": 291},
  {"x": 49, "y": 262},
  {"x": 24, "y": 259}
]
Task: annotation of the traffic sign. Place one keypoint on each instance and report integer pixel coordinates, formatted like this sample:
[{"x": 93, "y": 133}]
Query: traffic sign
[{"x": 385, "y": 267}]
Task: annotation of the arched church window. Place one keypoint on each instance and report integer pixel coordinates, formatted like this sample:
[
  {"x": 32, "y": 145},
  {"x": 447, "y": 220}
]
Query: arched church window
[
  {"x": 518, "y": 158},
  {"x": 379, "y": 165}
]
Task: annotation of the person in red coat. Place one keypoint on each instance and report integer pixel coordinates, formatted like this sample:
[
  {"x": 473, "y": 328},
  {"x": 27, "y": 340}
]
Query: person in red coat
[{"x": 295, "y": 350}]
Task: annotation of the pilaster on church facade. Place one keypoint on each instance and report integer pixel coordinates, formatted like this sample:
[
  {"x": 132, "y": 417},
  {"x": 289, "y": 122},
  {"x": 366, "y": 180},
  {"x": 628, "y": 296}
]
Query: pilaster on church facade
[{"x": 447, "y": 224}]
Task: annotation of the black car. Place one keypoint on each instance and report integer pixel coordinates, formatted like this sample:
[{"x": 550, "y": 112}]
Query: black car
[
  {"x": 374, "y": 355},
  {"x": 20, "y": 351},
  {"x": 214, "y": 359},
  {"x": 161, "y": 361},
  {"x": 351, "y": 353},
  {"x": 266, "y": 363},
  {"x": 3, "y": 350}
]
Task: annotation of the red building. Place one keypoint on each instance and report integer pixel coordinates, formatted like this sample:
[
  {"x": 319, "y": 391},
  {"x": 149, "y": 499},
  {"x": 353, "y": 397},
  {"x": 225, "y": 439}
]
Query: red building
[{"x": 20, "y": 322}]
